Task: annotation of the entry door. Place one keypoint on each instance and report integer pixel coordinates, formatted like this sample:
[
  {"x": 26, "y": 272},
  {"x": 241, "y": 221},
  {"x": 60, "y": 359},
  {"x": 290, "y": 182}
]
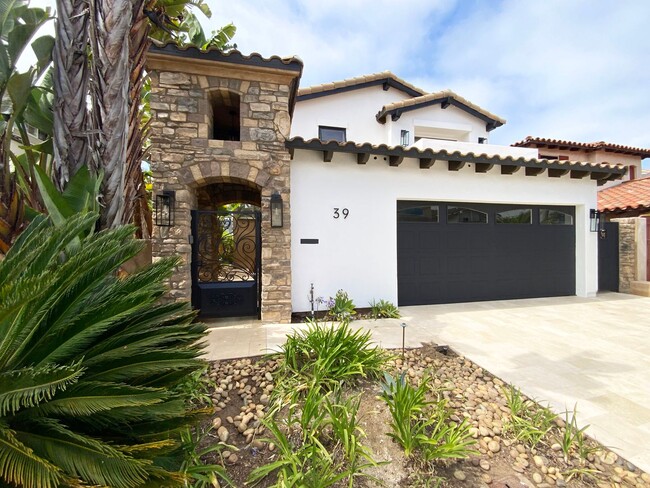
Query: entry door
[
  {"x": 608, "y": 268},
  {"x": 226, "y": 263}
]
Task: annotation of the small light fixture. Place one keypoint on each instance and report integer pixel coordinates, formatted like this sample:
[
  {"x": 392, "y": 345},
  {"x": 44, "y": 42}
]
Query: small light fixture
[
  {"x": 403, "y": 324},
  {"x": 594, "y": 220},
  {"x": 276, "y": 210},
  {"x": 601, "y": 226},
  {"x": 165, "y": 208}
]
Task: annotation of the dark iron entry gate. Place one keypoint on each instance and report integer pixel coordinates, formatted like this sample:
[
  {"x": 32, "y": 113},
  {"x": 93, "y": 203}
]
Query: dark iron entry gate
[
  {"x": 608, "y": 267},
  {"x": 226, "y": 263}
]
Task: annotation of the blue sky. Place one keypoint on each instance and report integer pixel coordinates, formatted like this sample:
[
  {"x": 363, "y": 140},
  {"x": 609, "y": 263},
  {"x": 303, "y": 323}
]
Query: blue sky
[{"x": 570, "y": 69}]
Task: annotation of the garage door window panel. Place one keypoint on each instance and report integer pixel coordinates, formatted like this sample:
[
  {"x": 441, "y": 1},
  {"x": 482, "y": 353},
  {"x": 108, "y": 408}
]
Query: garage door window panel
[
  {"x": 465, "y": 215},
  {"x": 549, "y": 216},
  {"x": 515, "y": 216},
  {"x": 417, "y": 212}
]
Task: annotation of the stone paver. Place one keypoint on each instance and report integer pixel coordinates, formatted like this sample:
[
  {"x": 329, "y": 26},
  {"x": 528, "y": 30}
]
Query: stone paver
[{"x": 593, "y": 352}]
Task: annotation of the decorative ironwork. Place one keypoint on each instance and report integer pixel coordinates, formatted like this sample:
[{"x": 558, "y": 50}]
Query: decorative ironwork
[{"x": 226, "y": 245}]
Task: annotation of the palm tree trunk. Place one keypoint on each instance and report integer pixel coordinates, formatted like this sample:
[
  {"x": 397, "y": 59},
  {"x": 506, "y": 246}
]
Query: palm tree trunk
[
  {"x": 110, "y": 29},
  {"x": 71, "y": 79},
  {"x": 135, "y": 194}
]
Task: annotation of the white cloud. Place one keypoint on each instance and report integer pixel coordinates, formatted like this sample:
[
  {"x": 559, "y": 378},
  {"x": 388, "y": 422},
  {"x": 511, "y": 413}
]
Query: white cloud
[
  {"x": 335, "y": 39},
  {"x": 574, "y": 70}
]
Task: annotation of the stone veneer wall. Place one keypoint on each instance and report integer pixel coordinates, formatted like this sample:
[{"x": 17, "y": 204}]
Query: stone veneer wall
[
  {"x": 184, "y": 157},
  {"x": 627, "y": 253}
]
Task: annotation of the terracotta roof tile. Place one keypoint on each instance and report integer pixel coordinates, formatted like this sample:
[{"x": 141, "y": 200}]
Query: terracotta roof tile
[
  {"x": 359, "y": 80},
  {"x": 232, "y": 55},
  {"x": 629, "y": 195},
  {"x": 615, "y": 170},
  {"x": 424, "y": 99},
  {"x": 588, "y": 146}
]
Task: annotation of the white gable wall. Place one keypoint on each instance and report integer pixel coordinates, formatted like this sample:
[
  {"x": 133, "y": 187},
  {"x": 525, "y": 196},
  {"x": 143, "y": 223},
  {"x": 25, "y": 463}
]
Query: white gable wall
[
  {"x": 353, "y": 110},
  {"x": 434, "y": 116},
  {"x": 359, "y": 254}
]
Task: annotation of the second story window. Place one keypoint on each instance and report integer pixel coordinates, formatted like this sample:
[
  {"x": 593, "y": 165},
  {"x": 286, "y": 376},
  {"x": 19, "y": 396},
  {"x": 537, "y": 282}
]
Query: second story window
[
  {"x": 326, "y": 133},
  {"x": 405, "y": 138},
  {"x": 225, "y": 115}
]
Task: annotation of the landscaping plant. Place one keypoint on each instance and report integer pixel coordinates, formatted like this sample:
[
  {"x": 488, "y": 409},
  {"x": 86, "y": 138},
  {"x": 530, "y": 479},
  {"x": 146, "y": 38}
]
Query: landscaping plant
[
  {"x": 421, "y": 426},
  {"x": 341, "y": 306},
  {"x": 529, "y": 422},
  {"x": 90, "y": 362},
  {"x": 383, "y": 309},
  {"x": 329, "y": 355},
  {"x": 318, "y": 442}
]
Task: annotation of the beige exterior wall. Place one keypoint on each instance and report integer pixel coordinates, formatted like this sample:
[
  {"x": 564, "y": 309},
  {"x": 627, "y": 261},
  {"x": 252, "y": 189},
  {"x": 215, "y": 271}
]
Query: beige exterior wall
[
  {"x": 598, "y": 157},
  {"x": 184, "y": 157},
  {"x": 632, "y": 247}
]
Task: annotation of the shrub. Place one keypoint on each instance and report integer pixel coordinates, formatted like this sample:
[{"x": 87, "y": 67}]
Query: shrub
[
  {"x": 319, "y": 445},
  {"x": 423, "y": 426},
  {"x": 90, "y": 362},
  {"x": 383, "y": 309},
  {"x": 328, "y": 355},
  {"x": 528, "y": 422},
  {"x": 342, "y": 306}
]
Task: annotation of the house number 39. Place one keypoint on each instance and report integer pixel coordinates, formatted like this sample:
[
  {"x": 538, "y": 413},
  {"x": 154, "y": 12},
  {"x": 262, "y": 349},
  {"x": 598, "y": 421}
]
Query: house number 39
[{"x": 341, "y": 211}]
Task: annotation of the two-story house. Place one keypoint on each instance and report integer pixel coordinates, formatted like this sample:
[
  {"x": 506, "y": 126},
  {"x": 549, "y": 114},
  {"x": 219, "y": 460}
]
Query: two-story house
[
  {"x": 370, "y": 185},
  {"x": 396, "y": 193}
]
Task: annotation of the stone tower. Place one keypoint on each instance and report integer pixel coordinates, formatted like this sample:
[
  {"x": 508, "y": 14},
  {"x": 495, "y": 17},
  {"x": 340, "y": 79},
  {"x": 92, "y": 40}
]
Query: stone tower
[{"x": 218, "y": 130}]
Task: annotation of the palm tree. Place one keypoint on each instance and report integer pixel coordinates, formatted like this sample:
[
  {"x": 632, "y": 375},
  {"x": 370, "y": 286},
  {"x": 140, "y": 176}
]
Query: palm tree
[
  {"x": 71, "y": 79},
  {"x": 90, "y": 362}
]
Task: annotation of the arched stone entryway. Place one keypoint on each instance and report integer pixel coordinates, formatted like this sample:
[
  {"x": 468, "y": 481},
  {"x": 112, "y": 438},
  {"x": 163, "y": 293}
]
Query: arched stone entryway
[
  {"x": 226, "y": 249},
  {"x": 218, "y": 130}
]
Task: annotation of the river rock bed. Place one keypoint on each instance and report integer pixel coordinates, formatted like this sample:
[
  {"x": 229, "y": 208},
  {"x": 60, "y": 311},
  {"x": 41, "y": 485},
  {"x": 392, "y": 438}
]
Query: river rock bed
[{"x": 241, "y": 388}]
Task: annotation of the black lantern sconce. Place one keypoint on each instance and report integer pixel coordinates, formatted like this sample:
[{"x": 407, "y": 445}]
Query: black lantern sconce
[
  {"x": 165, "y": 203},
  {"x": 594, "y": 220},
  {"x": 276, "y": 211}
]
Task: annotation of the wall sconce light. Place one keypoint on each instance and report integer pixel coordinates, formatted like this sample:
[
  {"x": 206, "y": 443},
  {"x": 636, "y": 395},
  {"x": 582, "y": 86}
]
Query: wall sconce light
[
  {"x": 165, "y": 208},
  {"x": 594, "y": 220},
  {"x": 276, "y": 210}
]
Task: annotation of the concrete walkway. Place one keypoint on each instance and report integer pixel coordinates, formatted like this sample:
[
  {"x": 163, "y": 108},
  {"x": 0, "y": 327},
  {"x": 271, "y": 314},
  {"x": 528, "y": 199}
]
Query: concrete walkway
[{"x": 591, "y": 351}]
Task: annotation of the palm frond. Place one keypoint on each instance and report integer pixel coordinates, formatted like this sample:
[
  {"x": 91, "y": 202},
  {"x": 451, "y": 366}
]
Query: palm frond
[
  {"x": 20, "y": 466},
  {"x": 89, "y": 398},
  {"x": 82, "y": 456},
  {"x": 28, "y": 387}
]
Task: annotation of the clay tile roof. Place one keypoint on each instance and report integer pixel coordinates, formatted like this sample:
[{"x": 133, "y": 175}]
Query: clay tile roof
[
  {"x": 292, "y": 63},
  {"x": 627, "y": 196},
  {"x": 531, "y": 141},
  {"x": 609, "y": 171},
  {"x": 438, "y": 97},
  {"x": 360, "y": 82}
]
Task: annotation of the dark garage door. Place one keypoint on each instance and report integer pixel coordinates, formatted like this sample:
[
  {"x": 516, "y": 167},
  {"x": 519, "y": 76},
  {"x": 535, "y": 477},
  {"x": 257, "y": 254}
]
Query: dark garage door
[{"x": 464, "y": 252}]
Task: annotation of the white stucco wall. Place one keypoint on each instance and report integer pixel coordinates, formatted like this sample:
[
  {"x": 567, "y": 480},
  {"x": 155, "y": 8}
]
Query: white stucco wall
[
  {"x": 359, "y": 254},
  {"x": 353, "y": 110}
]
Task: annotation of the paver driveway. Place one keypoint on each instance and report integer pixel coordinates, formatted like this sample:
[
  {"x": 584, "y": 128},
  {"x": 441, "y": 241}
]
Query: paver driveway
[{"x": 591, "y": 351}]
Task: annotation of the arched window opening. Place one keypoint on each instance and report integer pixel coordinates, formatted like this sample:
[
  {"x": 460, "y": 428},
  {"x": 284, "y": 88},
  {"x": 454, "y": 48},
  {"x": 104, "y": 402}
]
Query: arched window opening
[{"x": 225, "y": 115}]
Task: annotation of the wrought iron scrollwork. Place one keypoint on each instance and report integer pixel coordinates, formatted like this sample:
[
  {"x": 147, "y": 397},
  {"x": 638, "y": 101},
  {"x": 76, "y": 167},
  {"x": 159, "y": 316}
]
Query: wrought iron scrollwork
[{"x": 227, "y": 246}]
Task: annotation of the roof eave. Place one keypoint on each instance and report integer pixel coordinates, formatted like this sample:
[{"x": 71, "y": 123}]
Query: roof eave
[{"x": 456, "y": 159}]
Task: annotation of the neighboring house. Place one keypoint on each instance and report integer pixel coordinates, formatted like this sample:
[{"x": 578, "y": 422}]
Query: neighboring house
[
  {"x": 593, "y": 152},
  {"x": 369, "y": 185},
  {"x": 628, "y": 204}
]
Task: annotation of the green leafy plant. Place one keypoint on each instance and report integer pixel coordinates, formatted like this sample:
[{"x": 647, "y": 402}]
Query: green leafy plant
[
  {"x": 202, "y": 475},
  {"x": 328, "y": 355},
  {"x": 90, "y": 362},
  {"x": 571, "y": 433},
  {"x": 197, "y": 388},
  {"x": 383, "y": 309},
  {"x": 341, "y": 306},
  {"x": 407, "y": 406},
  {"x": 318, "y": 442},
  {"x": 529, "y": 422},
  {"x": 423, "y": 426}
]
